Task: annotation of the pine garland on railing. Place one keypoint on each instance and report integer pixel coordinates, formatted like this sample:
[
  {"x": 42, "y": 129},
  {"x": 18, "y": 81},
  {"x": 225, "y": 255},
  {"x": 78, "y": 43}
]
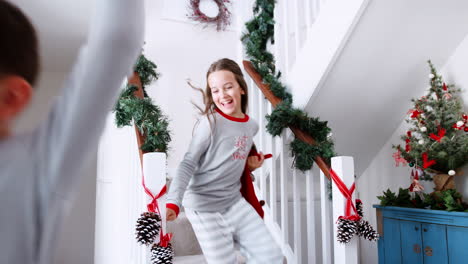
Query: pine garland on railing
[
  {"x": 260, "y": 30},
  {"x": 148, "y": 118}
]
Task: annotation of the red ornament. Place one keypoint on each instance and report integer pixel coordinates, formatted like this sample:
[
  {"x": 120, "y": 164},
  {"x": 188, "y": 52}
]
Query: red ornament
[
  {"x": 427, "y": 163},
  {"x": 444, "y": 87},
  {"x": 414, "y": 113},
  {"x": 440, "y": 134},
  {"x": 463, "y": 126}
]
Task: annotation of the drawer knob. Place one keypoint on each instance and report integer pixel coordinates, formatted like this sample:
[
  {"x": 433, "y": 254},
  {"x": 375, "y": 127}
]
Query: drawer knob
[
  {"x": 416, "y": 248},
  {"x": 428, "y": 251}
]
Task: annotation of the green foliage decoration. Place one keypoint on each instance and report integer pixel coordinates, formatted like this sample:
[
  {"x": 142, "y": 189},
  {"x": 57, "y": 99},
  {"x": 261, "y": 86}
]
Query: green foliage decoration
[
  {"x": 260, "y": 32},
  {"x": 449, "y": 200},
  {"x": 147, "y": 117}
]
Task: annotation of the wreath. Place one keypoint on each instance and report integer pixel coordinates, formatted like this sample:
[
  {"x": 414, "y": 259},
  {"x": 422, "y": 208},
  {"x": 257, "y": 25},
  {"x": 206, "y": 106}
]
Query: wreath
[{"x": 222, "y": 20}]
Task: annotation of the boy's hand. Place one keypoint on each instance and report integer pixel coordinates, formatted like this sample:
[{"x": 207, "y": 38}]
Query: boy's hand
[
  {"x": 170, "y": 214},
  {"x": 255, "y": 162}
]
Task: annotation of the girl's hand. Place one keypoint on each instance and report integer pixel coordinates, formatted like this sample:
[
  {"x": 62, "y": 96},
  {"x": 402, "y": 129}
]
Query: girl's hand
[
  {"x": 255, "y": 162},
  {"x": 170, "y": 214}
]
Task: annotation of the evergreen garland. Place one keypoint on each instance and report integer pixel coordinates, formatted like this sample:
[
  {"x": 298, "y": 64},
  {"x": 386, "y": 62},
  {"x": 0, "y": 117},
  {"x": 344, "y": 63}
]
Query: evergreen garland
[
  {"x": 449, "y": 200},
  {"x": 147, "y": 117},
  {"x": 260, "y": 31}
]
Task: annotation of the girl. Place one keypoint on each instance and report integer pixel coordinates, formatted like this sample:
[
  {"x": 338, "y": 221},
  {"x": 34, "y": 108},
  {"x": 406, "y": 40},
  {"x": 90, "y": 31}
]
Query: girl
[{"x": 212, "y": 168}]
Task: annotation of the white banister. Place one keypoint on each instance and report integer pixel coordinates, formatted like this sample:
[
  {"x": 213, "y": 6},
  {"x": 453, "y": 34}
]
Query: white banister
[
  {"x": 326, "y": 222},
  {"x": 344, "y": 167},
  {"x": 154, "y": 169},
  {"x": 298, "y": 240},
  {"x": 311, "y": 213},
  {"x": 283, "y": 173}
]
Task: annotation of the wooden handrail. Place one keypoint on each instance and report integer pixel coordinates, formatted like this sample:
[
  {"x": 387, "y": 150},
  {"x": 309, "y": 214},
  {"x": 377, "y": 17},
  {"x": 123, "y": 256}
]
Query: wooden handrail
[
  {"x": 135, "y": 80},
  {"x": 265, "y": 88}
]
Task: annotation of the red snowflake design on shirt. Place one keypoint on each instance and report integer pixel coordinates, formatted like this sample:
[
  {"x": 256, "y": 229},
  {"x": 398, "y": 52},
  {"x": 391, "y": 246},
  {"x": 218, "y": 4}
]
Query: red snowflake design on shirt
[{"x": 241, "y": 144}]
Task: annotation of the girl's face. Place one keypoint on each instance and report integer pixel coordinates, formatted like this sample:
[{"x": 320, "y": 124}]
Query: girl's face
[{"x": 226, "y": 92}]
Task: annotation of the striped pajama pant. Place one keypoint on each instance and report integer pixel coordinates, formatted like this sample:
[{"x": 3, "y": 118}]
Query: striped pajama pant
[{"x": 218, "y": 233}]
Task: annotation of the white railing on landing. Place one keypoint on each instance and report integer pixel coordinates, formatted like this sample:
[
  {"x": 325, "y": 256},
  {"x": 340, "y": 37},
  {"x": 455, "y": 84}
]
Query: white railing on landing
[{"x": 293, "y": 20}]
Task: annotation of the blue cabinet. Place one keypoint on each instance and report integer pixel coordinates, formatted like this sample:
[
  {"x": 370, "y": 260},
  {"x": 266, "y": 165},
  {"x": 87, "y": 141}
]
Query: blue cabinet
[{"x": 421, "y": 236}]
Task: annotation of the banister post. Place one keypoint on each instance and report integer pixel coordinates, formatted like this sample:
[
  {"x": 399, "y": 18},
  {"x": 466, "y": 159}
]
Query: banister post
[{"x": 344, "y": 168}]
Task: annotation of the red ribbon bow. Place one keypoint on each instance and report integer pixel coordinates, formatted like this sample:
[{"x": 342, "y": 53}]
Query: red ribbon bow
[
  {"x": 415, "y": 113},
  {"x": 153, "y": 207},
  {"x": 165, "y": 239},
  {"x": 426, "y": 163},
  {"x": 440, "y": 134},
  {"x": 347, "y": 193}
]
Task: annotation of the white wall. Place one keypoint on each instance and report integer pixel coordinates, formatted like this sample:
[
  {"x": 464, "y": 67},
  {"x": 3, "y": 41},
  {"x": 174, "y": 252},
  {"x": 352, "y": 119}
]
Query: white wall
[
  {"x": 382, "y": 173},
  {"x": 181, "y": 50}
]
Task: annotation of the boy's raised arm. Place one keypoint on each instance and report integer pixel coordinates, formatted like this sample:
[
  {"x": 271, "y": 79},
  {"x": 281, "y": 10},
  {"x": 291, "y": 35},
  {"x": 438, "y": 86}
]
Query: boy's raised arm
[{"x": 71, "y": 133}]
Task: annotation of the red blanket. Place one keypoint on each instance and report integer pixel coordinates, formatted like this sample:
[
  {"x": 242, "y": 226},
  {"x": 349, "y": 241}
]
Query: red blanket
[{"x": 247, "y": 188}]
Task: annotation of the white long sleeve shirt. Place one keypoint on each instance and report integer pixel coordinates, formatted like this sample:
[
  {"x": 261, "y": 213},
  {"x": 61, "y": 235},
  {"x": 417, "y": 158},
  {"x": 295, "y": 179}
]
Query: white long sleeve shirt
[
  {"x": 39, "y": 170},
  {"x": 208, "y": 178}
]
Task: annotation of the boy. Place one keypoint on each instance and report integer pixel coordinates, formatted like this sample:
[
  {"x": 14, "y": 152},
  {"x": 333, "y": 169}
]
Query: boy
[{"x": 39, "y": 171}]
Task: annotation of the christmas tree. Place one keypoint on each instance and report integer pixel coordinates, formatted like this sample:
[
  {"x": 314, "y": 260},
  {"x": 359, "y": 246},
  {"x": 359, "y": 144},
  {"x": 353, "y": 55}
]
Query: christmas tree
[{"x": 437, "y": 141}]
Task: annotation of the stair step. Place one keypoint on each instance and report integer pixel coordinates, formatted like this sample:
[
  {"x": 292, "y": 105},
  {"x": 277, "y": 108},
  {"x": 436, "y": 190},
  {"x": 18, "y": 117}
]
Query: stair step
[{"x": 193, "y": 259}]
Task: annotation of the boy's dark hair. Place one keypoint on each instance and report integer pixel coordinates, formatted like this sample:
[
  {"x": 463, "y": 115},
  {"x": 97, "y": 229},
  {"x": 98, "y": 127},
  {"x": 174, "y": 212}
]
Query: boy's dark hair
[{"x": 19, "y": 45}]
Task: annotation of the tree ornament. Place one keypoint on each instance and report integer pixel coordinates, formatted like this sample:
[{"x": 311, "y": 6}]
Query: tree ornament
[
  {"x": 451, "y": 172},
  {"x": 460, "y": 123},
  {"x": 421, "y": 141},
  {"x": 434, "y": 96},
  {"x": 466, "y": 129},
  {"x": 346, "y": 229},
  {"x": 411, "y": 164},
  {"x": 440, "y": 134},
  {"x": 431, "y": 76},
  {"x": 162, "y": 255},
  {"x": 221, "y": 20},
  {"x": 147, "y": 228},
  {"x": 423, "y": 129},
  {"x": 399, "y": 159},
  {"x": 447, "y": 96},
  {"x": 426, "y": 162}
]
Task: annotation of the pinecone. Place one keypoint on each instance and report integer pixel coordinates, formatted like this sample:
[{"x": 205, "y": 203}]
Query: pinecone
[
  {"x": 161, "y": 255},
  {"x": 345, "y": 230},
  {"x": 366, "y": 231},
  {"x": 359, "y": 207},
  {"x": 147, "y": 228}
]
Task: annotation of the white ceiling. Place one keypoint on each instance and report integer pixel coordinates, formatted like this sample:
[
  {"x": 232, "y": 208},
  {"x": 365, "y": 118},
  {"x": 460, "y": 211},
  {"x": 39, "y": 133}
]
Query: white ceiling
[
  {"x": 62, "y": 26},
  {"x": 382, "y": 66}
]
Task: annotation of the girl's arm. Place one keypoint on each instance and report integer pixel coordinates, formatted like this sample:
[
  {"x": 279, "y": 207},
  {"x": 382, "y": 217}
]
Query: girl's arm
[{"x": 198, "y": 146}]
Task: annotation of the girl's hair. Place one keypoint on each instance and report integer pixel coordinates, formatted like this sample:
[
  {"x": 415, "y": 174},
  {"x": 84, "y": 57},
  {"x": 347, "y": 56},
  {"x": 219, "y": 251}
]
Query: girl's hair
[{"x": 222, "y": 65}]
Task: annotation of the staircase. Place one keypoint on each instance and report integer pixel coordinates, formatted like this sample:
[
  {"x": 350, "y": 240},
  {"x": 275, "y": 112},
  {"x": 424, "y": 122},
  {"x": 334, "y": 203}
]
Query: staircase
[{"x": 353, "y": 63}]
